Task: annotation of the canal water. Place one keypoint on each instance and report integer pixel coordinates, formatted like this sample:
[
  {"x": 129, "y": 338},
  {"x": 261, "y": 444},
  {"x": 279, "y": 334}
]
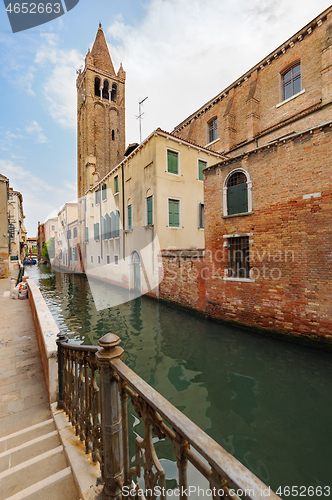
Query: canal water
[{"x": 266, "y": 401}]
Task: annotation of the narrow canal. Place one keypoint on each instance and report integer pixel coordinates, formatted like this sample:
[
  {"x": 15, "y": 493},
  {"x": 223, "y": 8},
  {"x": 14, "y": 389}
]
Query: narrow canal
[{"x": 266, "y": 401}]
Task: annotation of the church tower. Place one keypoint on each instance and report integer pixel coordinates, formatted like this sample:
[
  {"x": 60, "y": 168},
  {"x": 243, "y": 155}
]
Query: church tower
[{"x": 100, "y": 116}]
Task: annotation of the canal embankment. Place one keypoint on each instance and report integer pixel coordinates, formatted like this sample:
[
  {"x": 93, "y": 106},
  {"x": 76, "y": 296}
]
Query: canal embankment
[{"x": 40, "y": 455}]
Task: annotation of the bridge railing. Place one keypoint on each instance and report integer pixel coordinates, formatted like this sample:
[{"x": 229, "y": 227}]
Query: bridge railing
[{"x": 100, "y": 418}]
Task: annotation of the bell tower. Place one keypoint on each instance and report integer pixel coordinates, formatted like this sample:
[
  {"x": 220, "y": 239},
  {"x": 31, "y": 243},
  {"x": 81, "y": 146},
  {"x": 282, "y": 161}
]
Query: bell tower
[{"x": 100, "y": 116}]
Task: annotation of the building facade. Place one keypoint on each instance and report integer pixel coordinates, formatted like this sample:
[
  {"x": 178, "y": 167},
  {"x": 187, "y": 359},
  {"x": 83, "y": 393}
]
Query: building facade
[
  {"x": 16, "y": 229},
  {"x": 4, "y": 242}
]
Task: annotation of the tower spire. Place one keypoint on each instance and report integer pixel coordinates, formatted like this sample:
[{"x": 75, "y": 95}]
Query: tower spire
[{"x": 100, "y": 53}]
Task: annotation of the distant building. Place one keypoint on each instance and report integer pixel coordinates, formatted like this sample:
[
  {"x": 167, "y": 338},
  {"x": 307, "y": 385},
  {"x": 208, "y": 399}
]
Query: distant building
[
  {"x": 4, "y": 242},
  {"x": 16, "y": 229},
  {"x": 31, "y": 246},
  {"x": 67, "y": 239}
]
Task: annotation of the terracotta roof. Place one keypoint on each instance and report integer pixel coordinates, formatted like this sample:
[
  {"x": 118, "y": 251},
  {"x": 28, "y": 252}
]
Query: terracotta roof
[{"x": 100, "y": 53}]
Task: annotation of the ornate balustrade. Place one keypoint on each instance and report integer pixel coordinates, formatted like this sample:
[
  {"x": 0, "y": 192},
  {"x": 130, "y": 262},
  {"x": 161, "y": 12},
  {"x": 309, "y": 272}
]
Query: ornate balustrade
[{"x": 101, "y": 421}]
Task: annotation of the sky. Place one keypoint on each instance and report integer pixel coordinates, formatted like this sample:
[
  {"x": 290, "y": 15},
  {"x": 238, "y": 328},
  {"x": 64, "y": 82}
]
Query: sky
[{"x": 178, "y": 53}]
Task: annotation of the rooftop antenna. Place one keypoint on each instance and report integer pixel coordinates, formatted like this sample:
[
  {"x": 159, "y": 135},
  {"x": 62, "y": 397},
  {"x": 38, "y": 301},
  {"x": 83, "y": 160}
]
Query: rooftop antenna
[{"x": 139, "y": 117}]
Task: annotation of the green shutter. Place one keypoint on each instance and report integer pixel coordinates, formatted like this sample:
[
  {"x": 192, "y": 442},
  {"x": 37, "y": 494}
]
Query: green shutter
[
  {"x": 97, "y": 197},
  {"x": 86, "y": 234},
  {"x": 172, "y": 162},
  {"x": 174, "y": 213},
  {"x": 116, "y": 184},
  {"x": 149, "y": 210},
  {"x": 117, "y": 224},
  {"x": 96, "y": 231},
  {"x": 102, "y": 227},
  {"x": 201, "y": 165},
  {"x": 237, "y": 199},
  {"x": 129, "y": 217},
  {"x": 104, "y": 192}
]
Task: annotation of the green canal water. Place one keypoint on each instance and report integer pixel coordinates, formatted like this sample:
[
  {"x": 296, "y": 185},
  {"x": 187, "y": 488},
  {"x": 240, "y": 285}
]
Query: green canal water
[{"x": 267, "y": 402}]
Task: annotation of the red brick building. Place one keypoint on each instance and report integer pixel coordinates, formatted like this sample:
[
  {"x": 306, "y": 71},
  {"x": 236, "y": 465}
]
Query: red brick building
[{"x": 268, "y": 219}]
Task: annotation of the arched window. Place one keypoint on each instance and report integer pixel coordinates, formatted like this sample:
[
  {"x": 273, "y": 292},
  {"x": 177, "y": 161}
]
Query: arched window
[
  {"x": 105, "y": 90},
  {"x": 113, "y": 93},
  {"x": 97, "y": 86},
  {"x": 291, "y": 81},
  {"x": 237, "y": 197}
]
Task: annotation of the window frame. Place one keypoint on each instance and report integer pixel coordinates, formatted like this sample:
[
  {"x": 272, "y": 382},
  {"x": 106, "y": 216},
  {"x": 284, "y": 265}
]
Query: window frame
[
  {"x": 200, "y": 212},
  {"x": 178, "y": 161},
  {"x": 233, "y": 239},
  {"x": 290, "y": 67},
  {"x": 147, "y": 198},
  {"x": 116, "y": 259},
  {"x": 116, "y": 184},
  {"x": 129, "y": 216},
  {"x": 97, "y": 196},
  {"x": 104, "y": 191},
  {"x": 215, "y": 130},
  {"x": 201, "y": 171},
  {"x": 168, "y": 213},
  {"x": 249, "y": 193}
]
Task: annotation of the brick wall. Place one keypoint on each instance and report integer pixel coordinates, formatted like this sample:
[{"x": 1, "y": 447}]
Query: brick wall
[{"x": 290, "y": 238}]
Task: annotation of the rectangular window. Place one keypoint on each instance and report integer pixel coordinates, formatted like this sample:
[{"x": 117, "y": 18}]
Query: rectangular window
[
  {"x": 98, "y": 258},
  {"x": 97, "y": 196},
  {"x": 53, "y": 228},
  {"x": 103, "y": 191},
  {"x": 103, "y": 228},
  {"x": 96, "y": 231},
  {"x": 117, "y": 225},
  {"x": 116, "y": 260},
  {"x": 91, "y": 259},
  {"x": 149, "y": 207},
  {"x": 201, "y": 165},
  {"x": 108, "y": 259},
  {"x": 291, "y": 81},
  {"x": 108, "y": 227},
  {"x": 172, "y": 162},
  {"x": 76, "y": 254},
  {"x": 116, "y": 184},
  {"x": 129, "y": 214},
  {"x": 69, "y": 234},
  {"x": 174, "y": 213},
  {"x": 86, "y": 235},
  {"x": 75, "y": 232},
  {"x": 84, "y": 203},
  {"x": 238, "y": 257},
  {"x": 212, "y": 130},
  {"x": 201, "y": 215}
]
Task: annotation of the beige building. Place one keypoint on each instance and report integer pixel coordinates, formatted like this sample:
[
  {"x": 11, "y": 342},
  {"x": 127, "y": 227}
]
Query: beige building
[
  {"x": 153, "y": 200},
  {"x": 17, "y": 232},
  {"x": 4, "y": 246},
  {"x": 66, "y": 233}
]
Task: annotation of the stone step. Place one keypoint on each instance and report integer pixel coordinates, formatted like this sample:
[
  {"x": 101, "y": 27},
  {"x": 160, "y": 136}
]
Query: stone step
[
  {"x": 32, "y": 471},
  {"x": 59, "y": 486},
  {"x": 20, "y": 437},
  {"x": 30, "y": 449}
]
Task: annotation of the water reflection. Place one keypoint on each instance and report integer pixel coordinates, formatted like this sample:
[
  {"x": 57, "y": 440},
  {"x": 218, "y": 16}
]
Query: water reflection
[{"x": 265, "y": 401}]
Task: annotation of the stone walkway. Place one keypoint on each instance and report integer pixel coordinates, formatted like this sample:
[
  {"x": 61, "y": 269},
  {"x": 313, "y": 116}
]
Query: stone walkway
[{"x": 23, "y": 394}]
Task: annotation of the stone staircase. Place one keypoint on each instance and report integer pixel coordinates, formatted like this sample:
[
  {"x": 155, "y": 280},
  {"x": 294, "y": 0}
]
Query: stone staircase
[{"x": 33, "y": 465}]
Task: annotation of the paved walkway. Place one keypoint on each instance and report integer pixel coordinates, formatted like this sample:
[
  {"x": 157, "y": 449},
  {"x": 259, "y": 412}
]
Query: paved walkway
[{"x": 23, "y": 394}]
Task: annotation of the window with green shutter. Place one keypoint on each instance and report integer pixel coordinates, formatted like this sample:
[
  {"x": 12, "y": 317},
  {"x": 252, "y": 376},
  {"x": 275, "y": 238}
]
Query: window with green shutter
[
  {"x": 116, "y": 184},
  {"x": 129, "y": 214},
  {"x": 174, "y": 213},
  {"x": 172, "y": 162},
  {"x": 108, "y": 227},
  {"x": 237, "y": 194},
  {"x": 117, "y": 225},
  {"x": 103, "y": 228},
  {"x": 86, "y": 235},
  {"x": 201, "y": 165},
  {"x": 104, "y": 192},
  {"x": 97, "y": 196},
  {"x": 96, "y": 231},
  {"x": 149, "y": 206}
]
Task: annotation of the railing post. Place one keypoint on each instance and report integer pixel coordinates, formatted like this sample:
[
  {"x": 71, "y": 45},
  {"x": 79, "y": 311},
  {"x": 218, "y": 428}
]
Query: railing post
[
  {"x": 111, "y": 421},
  {"x": 61, "y": 337}
]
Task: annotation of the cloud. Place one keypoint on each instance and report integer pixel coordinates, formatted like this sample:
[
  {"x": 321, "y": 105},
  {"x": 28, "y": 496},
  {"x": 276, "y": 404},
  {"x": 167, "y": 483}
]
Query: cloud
[
  {"x": 39, "y": 197},
  {"x": 184, "y": 52},
  {"x": 36, "y": 130},
  {"x": 60, "y": 88}
]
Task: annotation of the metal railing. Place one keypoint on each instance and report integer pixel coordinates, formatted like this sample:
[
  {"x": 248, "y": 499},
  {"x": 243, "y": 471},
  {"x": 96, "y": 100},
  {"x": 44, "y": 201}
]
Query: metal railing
[{"x": 100, "y": 418}]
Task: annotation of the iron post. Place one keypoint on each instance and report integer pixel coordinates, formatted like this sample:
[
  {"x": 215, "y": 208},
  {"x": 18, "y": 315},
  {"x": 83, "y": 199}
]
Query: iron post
[
  {"x": 61, "y": 337},
  {"x": 111, "y": 418}
]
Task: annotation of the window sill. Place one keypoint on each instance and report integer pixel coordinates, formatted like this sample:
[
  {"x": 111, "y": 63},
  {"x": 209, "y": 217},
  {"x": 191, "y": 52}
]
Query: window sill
[
  {"x": 241, "y": 280},
  {"x": 174, "y": 227},
  {"x": 116, "y": 193},
  {"x": 129, "y": 230},
  {"x": 237, "y": 215},
  {"x": 149, "y": 226},
  {"x": 105, "y": 199},
  {"x": 212, "y": 142},
  {"x": 290, "y": 98},
  {"x": 172, "y": 173}
]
